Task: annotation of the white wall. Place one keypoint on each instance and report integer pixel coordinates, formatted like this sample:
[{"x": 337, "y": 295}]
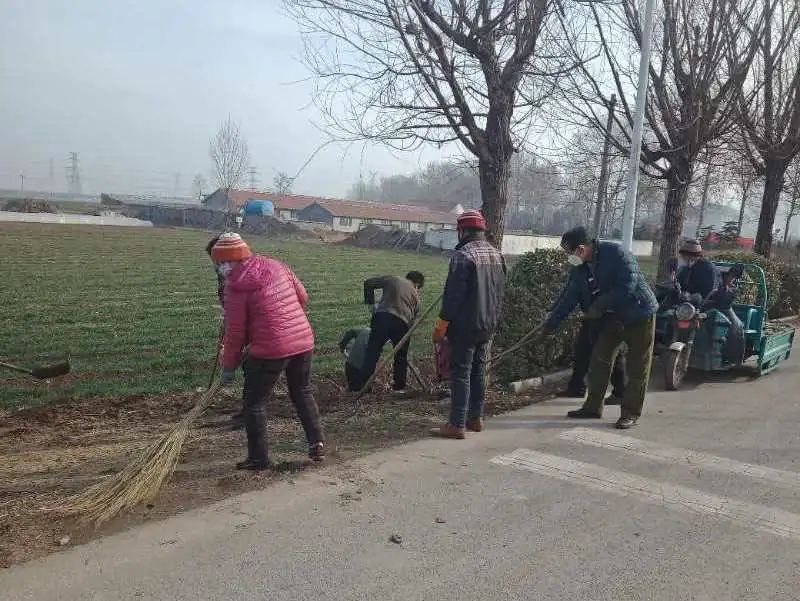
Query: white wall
[
  {"x": 67, "y": 218},
  {"x": 518, "y": 244},
  {"x": 356, "y": 224}
]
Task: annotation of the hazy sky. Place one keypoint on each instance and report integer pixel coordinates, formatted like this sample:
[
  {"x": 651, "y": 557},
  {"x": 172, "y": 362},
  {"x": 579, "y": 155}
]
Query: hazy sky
[{"x": 138, "y": 88}]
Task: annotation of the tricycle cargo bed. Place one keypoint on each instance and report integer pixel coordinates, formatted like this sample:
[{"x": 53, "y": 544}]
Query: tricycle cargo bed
[{"x": 776, "y": 345}]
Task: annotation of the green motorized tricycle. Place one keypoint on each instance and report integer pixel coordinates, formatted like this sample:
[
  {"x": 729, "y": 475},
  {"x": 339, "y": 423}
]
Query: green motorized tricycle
[{"x": 722, "y": 331}]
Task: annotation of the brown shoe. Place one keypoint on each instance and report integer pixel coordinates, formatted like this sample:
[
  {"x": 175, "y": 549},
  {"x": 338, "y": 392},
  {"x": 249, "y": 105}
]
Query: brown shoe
[
  {"x": 475, "y": 424},
  {"x": 448, "y": 431}
]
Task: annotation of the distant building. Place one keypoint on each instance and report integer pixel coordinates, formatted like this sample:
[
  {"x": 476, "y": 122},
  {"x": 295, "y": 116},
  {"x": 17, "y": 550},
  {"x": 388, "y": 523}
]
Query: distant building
[
  {"x": 286, "y": 206},
  {"x": 351, "y": 216},
  {"x": 337, "y": 215}
]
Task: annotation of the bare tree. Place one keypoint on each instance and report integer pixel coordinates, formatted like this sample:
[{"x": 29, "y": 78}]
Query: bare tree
[
  {"x": 792, "y": 189},
  {"x": 229, "y": 155},
  {"x": 407, "y": 72},
  {"x": 770, "y": 107},
  {"x": 198, "y": 185},
  {"x": 741, "y": 172},
  {"x": 694, "y": 77},
  {"x": 283, "y": 183}
]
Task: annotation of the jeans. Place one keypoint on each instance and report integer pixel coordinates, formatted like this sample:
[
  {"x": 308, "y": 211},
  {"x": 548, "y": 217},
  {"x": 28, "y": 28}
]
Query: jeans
[
  {"x": 260, "y": 376},
  {"x": 584, "y": 343},
  {"x": 467, "y": 387},
  {"x": 639, "y": 338},
  {"x": 386, "y": 326}
]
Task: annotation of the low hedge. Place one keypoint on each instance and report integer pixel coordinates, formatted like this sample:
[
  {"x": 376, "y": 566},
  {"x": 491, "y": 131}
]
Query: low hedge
[{"x": 534, "y": 283}]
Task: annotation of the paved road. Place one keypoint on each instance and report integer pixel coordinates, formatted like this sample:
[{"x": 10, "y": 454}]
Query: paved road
[{"x": 700, "y": 501}]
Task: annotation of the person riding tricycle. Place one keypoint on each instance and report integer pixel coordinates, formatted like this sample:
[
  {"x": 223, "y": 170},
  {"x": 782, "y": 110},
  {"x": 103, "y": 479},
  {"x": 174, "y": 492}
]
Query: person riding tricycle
[{"x": 714, "y": 332}]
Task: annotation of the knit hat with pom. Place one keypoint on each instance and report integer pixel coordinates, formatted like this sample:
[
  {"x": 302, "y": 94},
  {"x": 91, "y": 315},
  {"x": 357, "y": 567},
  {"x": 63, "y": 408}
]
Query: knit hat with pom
[{"x": 230, "y": 247}]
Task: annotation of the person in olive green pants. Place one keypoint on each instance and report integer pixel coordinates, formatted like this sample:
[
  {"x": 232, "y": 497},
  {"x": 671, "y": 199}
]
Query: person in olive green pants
[
  {"x": 639, "y": 337},
  {"x": 625, "y": 307}
]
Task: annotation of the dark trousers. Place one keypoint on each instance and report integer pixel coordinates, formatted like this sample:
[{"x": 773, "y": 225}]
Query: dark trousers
[
  {"x": 355, "y": 378},
  {"x": 639, "y": 338},
  {"x": 584, "y": 343},
  {"x": 384, "y": 327},
  {"x": 260, "y": 376},
  {"x": 467, "y": 385}
]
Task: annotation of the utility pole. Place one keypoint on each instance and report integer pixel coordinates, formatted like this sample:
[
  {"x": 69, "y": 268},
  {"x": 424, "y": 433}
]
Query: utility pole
[
  {"x": 629, "y": 216},
  {"x": 602, "y": 186},
  {"x": 703, "y": 201},
  {"x": 73, "y": 174},
  {"x": 51, "y": 177},
  {"x": 253, "y": 173},
  {"x": 21, "y": 182}
]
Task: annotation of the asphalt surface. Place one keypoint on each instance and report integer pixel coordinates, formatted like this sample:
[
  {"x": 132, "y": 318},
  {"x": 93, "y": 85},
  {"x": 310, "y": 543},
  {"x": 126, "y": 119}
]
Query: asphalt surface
[{"x": 700, "y": 501}]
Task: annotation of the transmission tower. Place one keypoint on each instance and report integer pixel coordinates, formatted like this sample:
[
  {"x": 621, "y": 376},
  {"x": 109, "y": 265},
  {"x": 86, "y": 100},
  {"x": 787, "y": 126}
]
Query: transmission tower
[
  {"x": 253, "y": 175},
  {"x": 73, "y": 174}
]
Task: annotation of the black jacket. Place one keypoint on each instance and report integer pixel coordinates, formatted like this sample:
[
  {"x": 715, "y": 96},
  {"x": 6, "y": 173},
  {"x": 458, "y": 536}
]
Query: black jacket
[
  {"x": 474, "y": 291},
  {"x": 701, "y": 278}
]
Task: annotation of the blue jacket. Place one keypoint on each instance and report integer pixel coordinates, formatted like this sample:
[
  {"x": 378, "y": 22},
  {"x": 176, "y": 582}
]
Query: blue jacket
[
  {"x": 575, "y": 293},
  {"x": 622, "y": 288}
]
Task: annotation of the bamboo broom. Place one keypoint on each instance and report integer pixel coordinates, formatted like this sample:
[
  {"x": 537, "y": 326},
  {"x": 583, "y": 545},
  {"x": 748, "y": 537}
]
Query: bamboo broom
[{"x": 140, "y": 481}]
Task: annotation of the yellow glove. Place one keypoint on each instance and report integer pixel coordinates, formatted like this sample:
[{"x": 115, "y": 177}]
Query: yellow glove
[{"x": 440, "y": 331}]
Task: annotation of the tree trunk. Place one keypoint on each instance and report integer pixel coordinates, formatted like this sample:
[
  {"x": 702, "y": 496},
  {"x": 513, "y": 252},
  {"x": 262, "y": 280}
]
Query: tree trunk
[
  {"x": 703, "y": 202},
  {"x": 494, "y": 163},
  {"x": 775, "y": 173},
  {"x": 674, "y": 210},
  {"x": 495, "y": 176},
  {"x": 745, "y": 191},
  {"x": 602, "y": 185},
  {"x": 792, "y": 208}
]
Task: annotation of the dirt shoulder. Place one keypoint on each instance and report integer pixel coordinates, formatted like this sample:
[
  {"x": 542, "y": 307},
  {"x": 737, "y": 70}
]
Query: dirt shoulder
[{"x": 48, "y": 453}]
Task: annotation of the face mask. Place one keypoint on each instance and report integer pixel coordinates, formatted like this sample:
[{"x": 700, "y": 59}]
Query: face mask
[
  {"x": 574, "y": 260},
  {"x": 224, "y": 269},
  {"x": 682, "y": 263}
]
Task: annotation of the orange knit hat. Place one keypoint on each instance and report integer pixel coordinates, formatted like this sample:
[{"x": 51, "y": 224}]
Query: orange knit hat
[{"x": 230, "y": 247}]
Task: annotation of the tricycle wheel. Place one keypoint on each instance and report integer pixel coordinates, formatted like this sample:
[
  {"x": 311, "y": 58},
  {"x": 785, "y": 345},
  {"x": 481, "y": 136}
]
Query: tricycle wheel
[{"x": 675, "y": 365}]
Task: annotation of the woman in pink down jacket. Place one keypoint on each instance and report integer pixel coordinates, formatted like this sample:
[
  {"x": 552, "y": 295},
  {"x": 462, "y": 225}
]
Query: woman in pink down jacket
[{"x": 265, "y": 311}]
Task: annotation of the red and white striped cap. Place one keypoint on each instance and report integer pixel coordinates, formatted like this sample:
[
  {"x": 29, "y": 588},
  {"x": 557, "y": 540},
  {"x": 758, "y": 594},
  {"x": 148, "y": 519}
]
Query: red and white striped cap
[{"x": 471, "y": 220}]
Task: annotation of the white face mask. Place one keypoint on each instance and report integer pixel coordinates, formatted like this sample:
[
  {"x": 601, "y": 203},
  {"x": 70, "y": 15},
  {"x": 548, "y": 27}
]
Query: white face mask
[
  {"x": 224, "y": 269},
  {"x": 574, "y": 260},
  {"x": 682, "y": 263}
]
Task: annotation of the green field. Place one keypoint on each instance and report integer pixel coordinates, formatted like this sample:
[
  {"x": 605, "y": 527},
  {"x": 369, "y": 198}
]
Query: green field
[{"x": 136, "y": 309}]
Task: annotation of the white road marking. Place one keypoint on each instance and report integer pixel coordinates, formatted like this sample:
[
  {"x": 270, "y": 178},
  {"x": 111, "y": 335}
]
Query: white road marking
[
  {"x": 766, "y": 519},
  {"x": 673, "y": 455}
]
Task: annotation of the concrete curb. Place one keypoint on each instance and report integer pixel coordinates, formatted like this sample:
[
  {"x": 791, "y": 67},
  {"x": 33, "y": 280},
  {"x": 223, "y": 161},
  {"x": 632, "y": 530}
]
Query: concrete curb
[{"x": 550, "y": 379}]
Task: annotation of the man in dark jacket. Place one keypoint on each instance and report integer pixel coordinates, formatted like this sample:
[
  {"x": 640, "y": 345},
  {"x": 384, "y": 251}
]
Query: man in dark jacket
[
  {"x": 696, "y": 275},
  {"x": 626, "y": 306},
  {"x": 579, "y": 291},
  {"x": 394, "y": 315},
  {"x": 471, "y": 307}
]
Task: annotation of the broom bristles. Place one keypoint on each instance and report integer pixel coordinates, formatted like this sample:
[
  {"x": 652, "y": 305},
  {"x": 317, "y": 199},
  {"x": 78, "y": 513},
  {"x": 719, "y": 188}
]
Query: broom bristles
[{"x": 142, "y": 478}]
